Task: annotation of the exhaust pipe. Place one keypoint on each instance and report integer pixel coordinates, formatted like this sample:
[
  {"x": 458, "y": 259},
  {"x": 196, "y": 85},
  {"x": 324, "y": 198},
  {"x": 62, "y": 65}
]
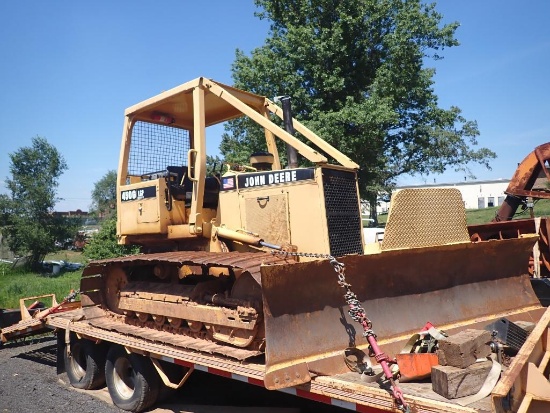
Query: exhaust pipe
[{"x": 291, "y": 153}]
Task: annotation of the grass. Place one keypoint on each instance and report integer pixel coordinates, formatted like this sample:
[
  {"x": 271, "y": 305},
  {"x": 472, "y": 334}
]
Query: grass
[{"x": 17, "y": 283}]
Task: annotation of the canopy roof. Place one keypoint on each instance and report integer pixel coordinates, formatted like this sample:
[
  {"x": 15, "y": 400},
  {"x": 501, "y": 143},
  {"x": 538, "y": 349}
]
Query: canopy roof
[
  {"x": 222, "y": 103},
  {"x": 178, "y": 103}
]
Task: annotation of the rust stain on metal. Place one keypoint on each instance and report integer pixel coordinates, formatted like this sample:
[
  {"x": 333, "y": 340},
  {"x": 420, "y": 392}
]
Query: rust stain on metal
[
  {"x": 242, "y": 260},
  {"x": 236, "y": 321},
  {"x": 455, "y": 284}
]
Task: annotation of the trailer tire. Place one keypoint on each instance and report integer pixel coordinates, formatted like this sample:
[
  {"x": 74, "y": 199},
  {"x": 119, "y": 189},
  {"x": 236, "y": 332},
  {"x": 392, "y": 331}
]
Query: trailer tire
[
  {"x": 132, "y": 381},
  {"x": 84, "y": 364}
]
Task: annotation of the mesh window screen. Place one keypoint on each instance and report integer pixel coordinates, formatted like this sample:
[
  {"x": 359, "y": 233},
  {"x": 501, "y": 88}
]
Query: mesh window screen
[{"x": 154, "y": 147}]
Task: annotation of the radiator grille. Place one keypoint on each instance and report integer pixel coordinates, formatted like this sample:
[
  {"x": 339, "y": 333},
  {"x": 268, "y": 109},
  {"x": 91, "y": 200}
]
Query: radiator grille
[{"x": 343, "y": 216}]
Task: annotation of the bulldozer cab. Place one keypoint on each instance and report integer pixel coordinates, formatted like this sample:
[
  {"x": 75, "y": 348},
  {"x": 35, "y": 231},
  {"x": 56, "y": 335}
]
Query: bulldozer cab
[{"x": 165, "y": 197}]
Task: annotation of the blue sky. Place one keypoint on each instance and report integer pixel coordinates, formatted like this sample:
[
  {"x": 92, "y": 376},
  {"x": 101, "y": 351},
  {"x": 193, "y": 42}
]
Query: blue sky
[{"x": 70, "y": 68}]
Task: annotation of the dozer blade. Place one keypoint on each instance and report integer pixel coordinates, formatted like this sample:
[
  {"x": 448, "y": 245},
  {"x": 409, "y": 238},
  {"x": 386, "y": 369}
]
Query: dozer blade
[{"x": 454, "y": 286}]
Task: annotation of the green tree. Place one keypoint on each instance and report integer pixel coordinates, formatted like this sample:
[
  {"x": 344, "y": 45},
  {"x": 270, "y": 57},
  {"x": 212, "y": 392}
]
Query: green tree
[
  {"x": 104, "y": 196},
  {"x": 104, "y": 244},
  {"x": 356, "y": 72},
  {"x": 5, "y": 210},
  {"x": 28, "y": 218}
]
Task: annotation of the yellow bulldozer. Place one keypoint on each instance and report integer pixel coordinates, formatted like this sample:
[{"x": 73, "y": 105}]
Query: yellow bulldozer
[{"x": 254, "y": 261}]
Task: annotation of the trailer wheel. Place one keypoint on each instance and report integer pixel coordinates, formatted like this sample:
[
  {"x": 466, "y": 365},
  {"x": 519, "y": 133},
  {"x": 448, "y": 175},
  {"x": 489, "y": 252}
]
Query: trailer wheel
[
  {"x": 84, "y": 364},
  {"x": 131, "y": 379}
]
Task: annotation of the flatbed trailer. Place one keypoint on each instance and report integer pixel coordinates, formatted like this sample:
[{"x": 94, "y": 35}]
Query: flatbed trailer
[
  {"x": 241, "y": 273},
  {"x": 523, "y": 387}
]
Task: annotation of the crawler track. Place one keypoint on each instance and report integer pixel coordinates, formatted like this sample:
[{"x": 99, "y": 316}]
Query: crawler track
[{"x": 200, "y": 300}]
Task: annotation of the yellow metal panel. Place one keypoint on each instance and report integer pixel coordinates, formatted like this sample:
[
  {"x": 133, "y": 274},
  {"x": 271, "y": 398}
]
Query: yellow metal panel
[
  {"x": 178, "y": 102},
  {"x": 199, "y": 166},
  {"x": 229, "y": 210},
  {"x": 303, "y": 203},
  {"x": 306, "y": 205},
  {"x": 425, "y": 217},
  {"x": 148, "y": 211},
  {"x": 145, "y": 216},
  {"x": 268, "y": 217}
]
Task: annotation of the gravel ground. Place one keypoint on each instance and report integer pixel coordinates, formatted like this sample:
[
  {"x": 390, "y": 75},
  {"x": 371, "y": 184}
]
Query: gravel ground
[{"x": 29, "y": 383}]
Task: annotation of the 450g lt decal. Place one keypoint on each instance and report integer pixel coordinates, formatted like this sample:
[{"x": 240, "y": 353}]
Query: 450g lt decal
[{"x": 141, "y": 193}]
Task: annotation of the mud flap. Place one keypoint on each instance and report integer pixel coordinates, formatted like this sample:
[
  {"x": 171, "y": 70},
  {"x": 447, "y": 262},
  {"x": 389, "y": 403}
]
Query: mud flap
[{"x": 455, "y": 286}]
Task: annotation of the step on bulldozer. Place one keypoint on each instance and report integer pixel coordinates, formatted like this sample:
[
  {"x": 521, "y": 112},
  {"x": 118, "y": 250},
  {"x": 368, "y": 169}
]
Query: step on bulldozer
[{"x": 238, "y": 262}]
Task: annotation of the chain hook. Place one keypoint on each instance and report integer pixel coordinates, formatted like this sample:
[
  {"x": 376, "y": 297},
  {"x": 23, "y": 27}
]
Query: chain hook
[{"x": 358, "y": 314}]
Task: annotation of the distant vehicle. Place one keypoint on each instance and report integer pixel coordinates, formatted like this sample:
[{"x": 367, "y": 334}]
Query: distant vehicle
[
  {"x": 56, "y": 267},
  {"x": 79, "y": 241},
  {"x": 65, "y": 244}
]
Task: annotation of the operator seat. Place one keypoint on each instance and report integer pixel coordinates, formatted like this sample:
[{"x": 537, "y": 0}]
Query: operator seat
[{"x": 181, "y": 187}]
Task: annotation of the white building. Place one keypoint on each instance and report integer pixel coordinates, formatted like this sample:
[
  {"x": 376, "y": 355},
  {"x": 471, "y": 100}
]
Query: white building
[{"x": 476, "y": 194}]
